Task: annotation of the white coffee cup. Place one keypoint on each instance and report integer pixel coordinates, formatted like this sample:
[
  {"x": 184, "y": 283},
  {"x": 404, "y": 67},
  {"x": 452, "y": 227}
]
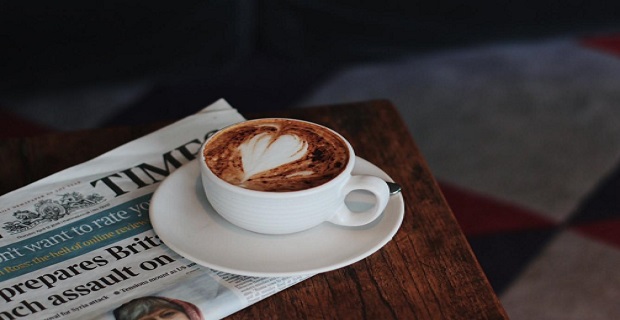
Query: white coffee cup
[{"x": 282, "y": 212}]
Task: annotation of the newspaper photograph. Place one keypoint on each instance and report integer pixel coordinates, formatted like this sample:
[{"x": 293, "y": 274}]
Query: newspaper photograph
[{"x": 79, "y": 245}]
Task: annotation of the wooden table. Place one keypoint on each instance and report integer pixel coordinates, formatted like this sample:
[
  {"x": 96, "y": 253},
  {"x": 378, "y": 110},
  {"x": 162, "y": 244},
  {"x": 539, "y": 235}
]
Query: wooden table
[{"x": 428, "y": 271}]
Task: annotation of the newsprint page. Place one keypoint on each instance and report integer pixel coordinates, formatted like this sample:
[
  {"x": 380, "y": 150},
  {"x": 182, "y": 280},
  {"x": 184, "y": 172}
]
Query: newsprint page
[{"x": 79, "y": 245}]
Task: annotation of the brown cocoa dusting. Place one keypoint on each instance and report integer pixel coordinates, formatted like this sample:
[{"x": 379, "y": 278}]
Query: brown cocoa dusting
[{"x": 326, "y": 156}]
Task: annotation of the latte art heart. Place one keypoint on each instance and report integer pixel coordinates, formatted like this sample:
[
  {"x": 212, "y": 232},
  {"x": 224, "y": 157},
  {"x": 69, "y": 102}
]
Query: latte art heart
[
  {"x": 276, "y": 155},
  {"x": 265, "y": 152}
]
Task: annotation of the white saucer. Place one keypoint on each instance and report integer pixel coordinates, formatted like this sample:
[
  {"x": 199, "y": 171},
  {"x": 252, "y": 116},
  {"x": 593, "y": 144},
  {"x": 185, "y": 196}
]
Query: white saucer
[{"x": 185, "y": 221}]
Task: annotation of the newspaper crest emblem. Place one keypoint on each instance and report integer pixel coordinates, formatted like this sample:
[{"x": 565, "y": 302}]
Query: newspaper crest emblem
[{"x": 48, "y": 210}]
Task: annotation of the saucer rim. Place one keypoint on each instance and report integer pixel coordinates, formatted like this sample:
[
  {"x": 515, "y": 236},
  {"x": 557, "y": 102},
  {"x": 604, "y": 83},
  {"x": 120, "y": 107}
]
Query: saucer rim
[{"x": 182, "y": 172}]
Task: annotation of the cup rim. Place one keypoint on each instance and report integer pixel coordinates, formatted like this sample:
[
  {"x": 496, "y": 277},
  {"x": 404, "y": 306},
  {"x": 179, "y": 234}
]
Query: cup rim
[{"x": 285, "y": 194}]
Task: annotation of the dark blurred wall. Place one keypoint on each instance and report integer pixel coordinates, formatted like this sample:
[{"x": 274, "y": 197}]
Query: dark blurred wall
[
  {"x": 348, "y": 29},
  {"x": 47, "y": 44},
  {"x": 55, "y": 43}
]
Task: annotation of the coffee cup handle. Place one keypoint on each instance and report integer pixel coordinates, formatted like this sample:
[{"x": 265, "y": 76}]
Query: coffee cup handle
[{"x": 374, "y": 185}]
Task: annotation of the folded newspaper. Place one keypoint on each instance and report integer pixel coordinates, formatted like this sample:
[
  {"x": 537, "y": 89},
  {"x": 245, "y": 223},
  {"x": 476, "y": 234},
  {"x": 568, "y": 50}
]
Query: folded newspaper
[{"x": 79, "y": 245}]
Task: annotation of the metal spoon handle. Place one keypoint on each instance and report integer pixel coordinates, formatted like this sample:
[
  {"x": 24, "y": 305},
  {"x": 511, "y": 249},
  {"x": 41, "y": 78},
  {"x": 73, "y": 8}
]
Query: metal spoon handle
[{"x": 394, "y": 188}]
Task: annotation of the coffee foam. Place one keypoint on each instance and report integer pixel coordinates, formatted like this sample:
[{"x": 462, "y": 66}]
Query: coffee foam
[{"x": 276, "y": 155}]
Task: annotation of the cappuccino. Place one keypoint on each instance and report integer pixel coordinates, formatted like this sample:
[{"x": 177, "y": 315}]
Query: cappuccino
[{"x": 276, "y": 155}]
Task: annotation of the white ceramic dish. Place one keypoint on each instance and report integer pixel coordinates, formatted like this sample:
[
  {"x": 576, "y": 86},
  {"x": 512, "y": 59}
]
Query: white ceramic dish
[{"x": 185, "y": 221}]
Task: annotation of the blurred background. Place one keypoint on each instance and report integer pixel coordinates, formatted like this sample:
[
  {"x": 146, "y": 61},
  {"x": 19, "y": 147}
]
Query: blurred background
[
  {"x": 175, "y": 58},
  {"x": 515, "y": 105}
]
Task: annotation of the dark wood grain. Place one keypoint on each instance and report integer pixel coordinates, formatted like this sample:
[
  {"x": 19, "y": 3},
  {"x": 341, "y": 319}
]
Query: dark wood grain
[
  {"x": 428, "y": 271},
  {"x": 29, "y": 159}
]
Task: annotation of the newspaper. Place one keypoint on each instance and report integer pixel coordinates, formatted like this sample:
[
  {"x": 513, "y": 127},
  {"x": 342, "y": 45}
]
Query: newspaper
[{"x": 79, "y": 245}]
